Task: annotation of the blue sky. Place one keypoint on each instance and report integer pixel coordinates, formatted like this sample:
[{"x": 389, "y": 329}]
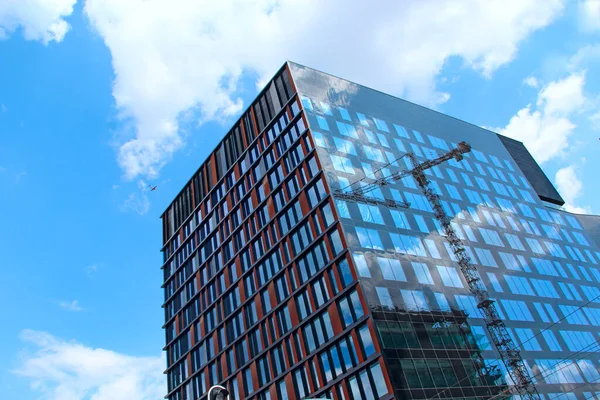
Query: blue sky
[{"x": 100, "y": 98}]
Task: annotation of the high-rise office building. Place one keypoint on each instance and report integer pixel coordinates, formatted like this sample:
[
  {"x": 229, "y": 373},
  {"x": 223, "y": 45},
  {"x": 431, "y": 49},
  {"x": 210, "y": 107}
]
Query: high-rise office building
[{"x": 277, "y": 288}]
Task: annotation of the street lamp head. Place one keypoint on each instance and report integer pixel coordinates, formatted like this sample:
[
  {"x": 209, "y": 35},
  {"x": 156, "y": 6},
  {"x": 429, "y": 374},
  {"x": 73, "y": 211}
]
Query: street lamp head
[{"x": 218, "y": 393}]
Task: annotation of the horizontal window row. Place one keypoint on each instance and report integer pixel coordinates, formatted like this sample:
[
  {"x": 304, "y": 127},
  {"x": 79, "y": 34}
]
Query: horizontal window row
[
  {"x": 393, "y": 270},
  {"x": 384, "y": 240},
  {"x": 514, "y": 310},
  {"x": 567, "y": 371},
  {"x": 425, "y": 335},
  {"x": 379, "y": 215},
  {"x": 441, "y": 374}
]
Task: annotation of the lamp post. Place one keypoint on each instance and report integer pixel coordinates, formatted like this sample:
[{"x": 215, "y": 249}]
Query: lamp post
[{"x": 218, "y": 392}]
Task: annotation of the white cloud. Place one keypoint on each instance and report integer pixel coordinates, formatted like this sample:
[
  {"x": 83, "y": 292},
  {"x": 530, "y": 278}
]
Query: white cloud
[
  {"x": 531, "y": 81},
  {"x": 545, "y": 130},
  {"x": 67, "y": 370},
  {"x": 70, "y": 305},
  {"x": 570, "y": 188},
  {"x": 41, "y": 20},
  {"x": 585, "y": 57},
  {"x": 589, "y": 15},
  {"x": 173, "y": 57},
  {"x": 563, "y": 97},
  {"x": 139, "y": 201}
]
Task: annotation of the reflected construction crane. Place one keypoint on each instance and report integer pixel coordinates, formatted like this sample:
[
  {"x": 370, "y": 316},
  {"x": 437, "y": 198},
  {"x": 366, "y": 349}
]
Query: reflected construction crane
[{"x": 509, "y": 352}]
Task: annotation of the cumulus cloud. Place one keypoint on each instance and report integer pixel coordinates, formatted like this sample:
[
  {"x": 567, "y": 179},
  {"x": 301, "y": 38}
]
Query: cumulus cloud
[
  {"x": 67, "y": 370},
  {"x": 41, "y": 20},
  {"x": 186, "y": 57},
  {"x": 563, "y": 97},
  {"x": 531, "y": 81},
  {"x": 571, "y": 188},
  {"x": 545, "y": 129},
  {"x": 70, "y": 305},
  {"x": 589, "y": 15}
]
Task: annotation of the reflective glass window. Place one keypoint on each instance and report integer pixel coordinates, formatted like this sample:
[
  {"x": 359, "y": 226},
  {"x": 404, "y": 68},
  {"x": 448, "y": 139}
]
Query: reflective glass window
[
  {"x": 361, "y": 265},
  {"x": 322, "y": 123},
  {"x": 528, "y": 340},
  {"x": 384, "y": 297},
  {"x": 450, "y": 276},
  {"x": 422, "y": 273},
  {"x": 414, "y": 300},
  {"x": 344, "y": 146},
  {"x": 494, "y": 281},
  {"x": 369, "y": 238},
  {"x": 342, "y": 164},
  {"x": 346, "y": 130},
  {"x": 344, "y": 114},
  {"x": 551, "y": 340}
]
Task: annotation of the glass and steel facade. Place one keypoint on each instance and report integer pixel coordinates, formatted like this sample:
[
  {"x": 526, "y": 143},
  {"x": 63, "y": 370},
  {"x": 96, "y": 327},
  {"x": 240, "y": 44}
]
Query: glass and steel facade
[
  {"x": 259, "y": 293},
  {"x": 278, "y": 290},
  {"x": 537, "y": 262}
]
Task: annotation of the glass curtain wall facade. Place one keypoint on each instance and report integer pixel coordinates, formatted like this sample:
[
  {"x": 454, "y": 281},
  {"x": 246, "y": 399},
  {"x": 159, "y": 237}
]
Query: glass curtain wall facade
[
  {"x": 537, "y": 262},
  {"x": 277, "y": 290}
]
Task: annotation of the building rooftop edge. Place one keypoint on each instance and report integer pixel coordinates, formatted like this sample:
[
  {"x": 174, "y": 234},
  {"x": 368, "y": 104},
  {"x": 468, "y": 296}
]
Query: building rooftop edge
[
  {"x": 224, "y": 136},
  {"x": 400, "y": 98}
]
